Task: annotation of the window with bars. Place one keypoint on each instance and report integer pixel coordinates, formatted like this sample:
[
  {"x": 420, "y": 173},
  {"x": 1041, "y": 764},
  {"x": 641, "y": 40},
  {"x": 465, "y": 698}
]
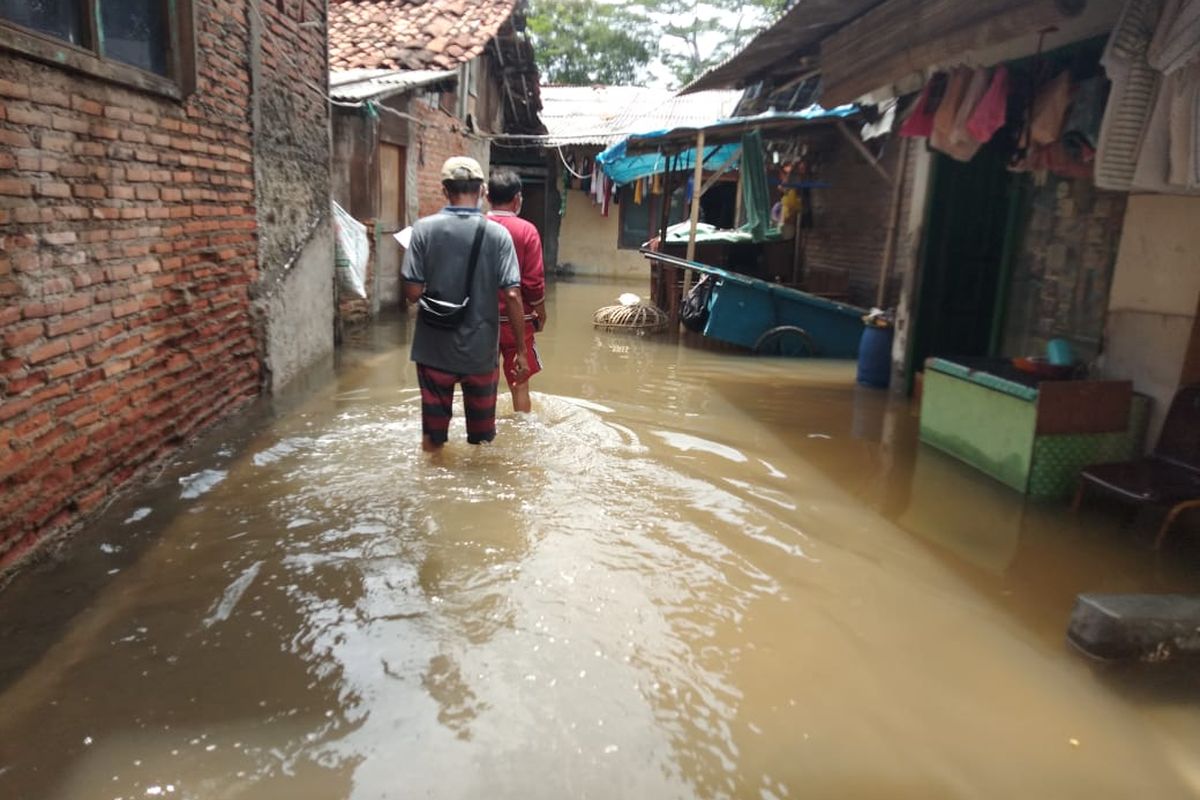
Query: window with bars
[{"x": 132, "y": 41}]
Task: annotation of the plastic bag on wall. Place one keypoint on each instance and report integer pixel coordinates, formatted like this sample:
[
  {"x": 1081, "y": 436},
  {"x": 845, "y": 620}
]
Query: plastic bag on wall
[{"x": 351, "y": 252}]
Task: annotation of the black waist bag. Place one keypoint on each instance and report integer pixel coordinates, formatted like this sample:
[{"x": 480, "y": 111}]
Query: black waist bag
[{"x": 438, "y": 312}]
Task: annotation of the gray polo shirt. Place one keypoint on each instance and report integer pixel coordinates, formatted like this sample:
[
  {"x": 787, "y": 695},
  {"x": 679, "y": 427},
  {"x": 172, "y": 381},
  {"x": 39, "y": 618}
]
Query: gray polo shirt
[{"x": 437, "y": 257}]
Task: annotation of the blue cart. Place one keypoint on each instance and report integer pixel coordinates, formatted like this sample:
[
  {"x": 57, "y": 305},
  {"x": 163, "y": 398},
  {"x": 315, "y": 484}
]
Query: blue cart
[{"x": 772, "y": 319}]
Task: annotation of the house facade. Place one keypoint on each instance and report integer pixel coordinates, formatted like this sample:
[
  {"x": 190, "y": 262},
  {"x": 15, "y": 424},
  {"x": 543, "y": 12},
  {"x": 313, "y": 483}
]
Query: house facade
[
  {"x": 596, "y": 237},
  {"x": 414, "y": 83},
  {"x": 994, "y": 255},
  {"x": 167, "y": 252}
]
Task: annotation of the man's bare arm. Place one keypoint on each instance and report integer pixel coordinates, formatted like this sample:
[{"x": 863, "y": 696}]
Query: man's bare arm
[{"x": 515, "y": 309}]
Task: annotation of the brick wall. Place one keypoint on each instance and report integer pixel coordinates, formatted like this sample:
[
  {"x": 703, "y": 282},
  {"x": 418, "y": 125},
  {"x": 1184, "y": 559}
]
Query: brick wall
[
  {"x": 128, "y": 223},
  {"x": 438, "y": 137}
]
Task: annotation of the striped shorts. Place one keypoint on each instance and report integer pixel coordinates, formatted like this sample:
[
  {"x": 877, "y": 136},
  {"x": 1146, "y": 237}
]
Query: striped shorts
[{"x": 437, "y": 402}]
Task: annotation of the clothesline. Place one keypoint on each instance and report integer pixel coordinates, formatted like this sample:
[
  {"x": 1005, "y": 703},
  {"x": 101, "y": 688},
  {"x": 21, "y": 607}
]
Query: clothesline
[{"x": 568, "y": 166}]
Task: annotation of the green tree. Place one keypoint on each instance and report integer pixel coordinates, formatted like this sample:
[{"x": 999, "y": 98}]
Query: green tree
[
  {"x": 705, "y": 34},
  {"x": 584, "y": 42}
]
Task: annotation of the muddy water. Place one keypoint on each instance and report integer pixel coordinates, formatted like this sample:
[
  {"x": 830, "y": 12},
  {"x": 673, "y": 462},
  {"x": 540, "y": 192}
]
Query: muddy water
[{"x": 687, "y": 574}]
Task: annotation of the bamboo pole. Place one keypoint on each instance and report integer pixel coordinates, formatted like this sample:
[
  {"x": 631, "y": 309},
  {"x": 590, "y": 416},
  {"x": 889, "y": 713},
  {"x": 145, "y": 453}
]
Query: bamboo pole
[
  {"x": 697, "y": 178},
  {"x": 737, "y": 201}
]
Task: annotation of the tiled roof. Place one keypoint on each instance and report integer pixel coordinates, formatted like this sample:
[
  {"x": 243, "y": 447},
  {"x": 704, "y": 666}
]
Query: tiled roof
[
  {"x": 604, "y": 114},
  {"x": 412, "y": 34}
]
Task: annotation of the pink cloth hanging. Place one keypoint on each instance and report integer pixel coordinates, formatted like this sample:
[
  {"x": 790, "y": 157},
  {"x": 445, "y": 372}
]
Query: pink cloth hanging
[
  {"x": 920, "y": 120},
  {"x": 989, "y": 116}
]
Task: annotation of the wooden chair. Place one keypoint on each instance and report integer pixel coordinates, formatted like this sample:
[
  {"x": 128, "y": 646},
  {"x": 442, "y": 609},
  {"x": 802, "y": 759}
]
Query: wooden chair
[{"x": 1169, "y": 476}]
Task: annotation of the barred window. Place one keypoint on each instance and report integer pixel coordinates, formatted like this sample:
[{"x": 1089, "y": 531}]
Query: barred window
[{"x": 104, "y": 37}]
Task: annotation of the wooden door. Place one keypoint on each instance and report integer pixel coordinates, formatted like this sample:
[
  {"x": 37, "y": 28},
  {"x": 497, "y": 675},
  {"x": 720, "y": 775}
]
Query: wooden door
[{"x": 392, "y": 164}]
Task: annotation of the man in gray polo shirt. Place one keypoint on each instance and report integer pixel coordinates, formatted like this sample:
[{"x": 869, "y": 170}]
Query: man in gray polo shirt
[{"x": 436, "y": 262}]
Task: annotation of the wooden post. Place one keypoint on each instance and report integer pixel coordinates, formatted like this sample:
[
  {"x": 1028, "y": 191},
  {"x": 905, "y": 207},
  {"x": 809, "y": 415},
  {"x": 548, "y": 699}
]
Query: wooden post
[
  {"x": 889, "y": 247},
  {"x": 697, "y": 179}
]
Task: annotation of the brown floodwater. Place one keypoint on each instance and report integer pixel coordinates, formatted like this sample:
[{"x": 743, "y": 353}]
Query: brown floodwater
[{"x": 687, "y": 574}]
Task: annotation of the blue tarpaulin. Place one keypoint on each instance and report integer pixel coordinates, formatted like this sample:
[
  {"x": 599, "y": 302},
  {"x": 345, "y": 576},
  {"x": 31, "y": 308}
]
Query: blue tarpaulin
[{"x": 623, "y": 168}]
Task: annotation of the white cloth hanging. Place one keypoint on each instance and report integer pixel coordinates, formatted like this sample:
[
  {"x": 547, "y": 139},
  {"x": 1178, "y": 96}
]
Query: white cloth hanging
[{"x": 1131, "y": 101}]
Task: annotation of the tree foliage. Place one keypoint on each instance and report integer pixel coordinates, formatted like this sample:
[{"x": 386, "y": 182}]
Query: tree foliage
[
  {"x": 705, "y": 33},
  {"x": 584, "y": 42}
]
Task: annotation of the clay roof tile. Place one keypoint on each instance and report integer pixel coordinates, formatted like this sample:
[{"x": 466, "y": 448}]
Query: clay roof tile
[{"x": 371, "y": 34}]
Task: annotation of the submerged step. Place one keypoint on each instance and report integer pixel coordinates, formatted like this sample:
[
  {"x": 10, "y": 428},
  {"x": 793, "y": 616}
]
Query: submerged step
[{"x": 1149, "y": 627}]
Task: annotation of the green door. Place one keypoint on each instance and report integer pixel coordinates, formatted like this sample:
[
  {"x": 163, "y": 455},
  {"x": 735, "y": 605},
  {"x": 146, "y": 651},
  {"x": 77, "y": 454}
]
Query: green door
[{"x": 966, "y": 248}]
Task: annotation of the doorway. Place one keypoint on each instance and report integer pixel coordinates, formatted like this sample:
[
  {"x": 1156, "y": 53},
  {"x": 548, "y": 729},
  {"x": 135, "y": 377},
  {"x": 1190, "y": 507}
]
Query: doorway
[
  {"x": 971, "y": 231},
  {"x": 393, "y": 161}
]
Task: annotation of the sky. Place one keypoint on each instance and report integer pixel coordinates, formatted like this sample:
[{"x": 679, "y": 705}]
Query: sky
[{"x": 660, "y": 76}]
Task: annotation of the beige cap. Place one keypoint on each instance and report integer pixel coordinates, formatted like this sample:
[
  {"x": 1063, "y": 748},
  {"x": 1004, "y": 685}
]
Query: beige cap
[{"x": 461, "y": 168}]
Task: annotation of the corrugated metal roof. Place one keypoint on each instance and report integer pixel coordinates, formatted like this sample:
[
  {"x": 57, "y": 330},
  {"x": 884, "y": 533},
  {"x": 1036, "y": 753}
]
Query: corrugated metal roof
[
  {"x": 604, "y": 114},
  {"x": 357, "y": 85}
]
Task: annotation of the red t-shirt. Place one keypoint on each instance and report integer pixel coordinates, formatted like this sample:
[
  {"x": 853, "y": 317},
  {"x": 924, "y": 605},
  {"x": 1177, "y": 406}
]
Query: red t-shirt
[{"x": 528, "y": 245}]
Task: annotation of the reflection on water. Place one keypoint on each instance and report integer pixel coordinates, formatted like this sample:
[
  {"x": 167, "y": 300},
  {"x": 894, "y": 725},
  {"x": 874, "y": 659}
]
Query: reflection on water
[{"x": 686, "y": 574}]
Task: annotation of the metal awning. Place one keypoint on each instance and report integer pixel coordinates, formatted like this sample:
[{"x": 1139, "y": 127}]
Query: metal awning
[
  {"x": 796, "y": 34},
  {"x": 642, "y": 154}
]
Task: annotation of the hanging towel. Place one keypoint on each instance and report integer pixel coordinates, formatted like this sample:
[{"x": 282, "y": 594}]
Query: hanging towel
[
  {"x": 756, "y": 198},
  {"x": 656, "y": 185},
  {"x": 961, "y": 144},
  {"x": 1050, "y": 109},
  {"x": 637, "y": 191},
  {"x": 989, "y": 116},
  {"x": 947, "y": 113},
  {"x": 1134, "y": 86}
]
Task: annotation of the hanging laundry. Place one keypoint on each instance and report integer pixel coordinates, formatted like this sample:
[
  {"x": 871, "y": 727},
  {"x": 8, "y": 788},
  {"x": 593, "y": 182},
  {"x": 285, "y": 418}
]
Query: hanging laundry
[
  {"x": 1177, "y": 40},
  {"x": 1087, "y": 110},
  {"x": 989, "y": 115},
  {"x": 637, "y": 191},
  {"x": 1050, "y": 109},
  {"x": 1134, "y": 85},
  {"x": 883, "y": 123},
  {"x": 656, "y": 184},
  {"x": 961, "y": 145},
  {"x": 605, "y": 195},
  {"x": 1184, "y": 156},
  {"x": 943, "y": 120},
  {"x": 920, "y": 120},
  {"x": 1174, "y": 128}
]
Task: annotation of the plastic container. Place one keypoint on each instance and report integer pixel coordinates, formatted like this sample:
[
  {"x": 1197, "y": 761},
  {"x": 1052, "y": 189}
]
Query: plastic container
[
  {"x": 875, "y": 356},
  {"x": 1059, "y": 353}
]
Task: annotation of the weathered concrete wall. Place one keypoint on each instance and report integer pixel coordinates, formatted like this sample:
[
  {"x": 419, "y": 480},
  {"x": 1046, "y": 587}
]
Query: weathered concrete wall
[
  {"x": 1063, "y": 268},
  {"x": 135, "y": 308},
  {"x": 587, "y": 241},
  {"x": 295, "y": 296},
  {"x": 1155, "y": 287},
  {"x": 304, "y": 295},
  {"x": 851, "y": 217}
]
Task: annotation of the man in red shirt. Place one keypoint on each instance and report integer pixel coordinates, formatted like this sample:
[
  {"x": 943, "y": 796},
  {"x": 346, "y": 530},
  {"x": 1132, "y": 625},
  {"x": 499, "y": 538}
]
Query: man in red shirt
[{"x": 504, "y": 195}]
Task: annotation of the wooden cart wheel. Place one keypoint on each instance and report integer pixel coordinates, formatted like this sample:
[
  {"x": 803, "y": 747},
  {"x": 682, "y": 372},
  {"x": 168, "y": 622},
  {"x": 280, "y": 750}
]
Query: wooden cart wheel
[{"x": 785, "y": 340}]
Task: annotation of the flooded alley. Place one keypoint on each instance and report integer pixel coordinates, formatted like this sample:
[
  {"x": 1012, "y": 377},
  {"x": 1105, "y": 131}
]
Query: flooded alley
[{"x": 687, "y": 574}]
